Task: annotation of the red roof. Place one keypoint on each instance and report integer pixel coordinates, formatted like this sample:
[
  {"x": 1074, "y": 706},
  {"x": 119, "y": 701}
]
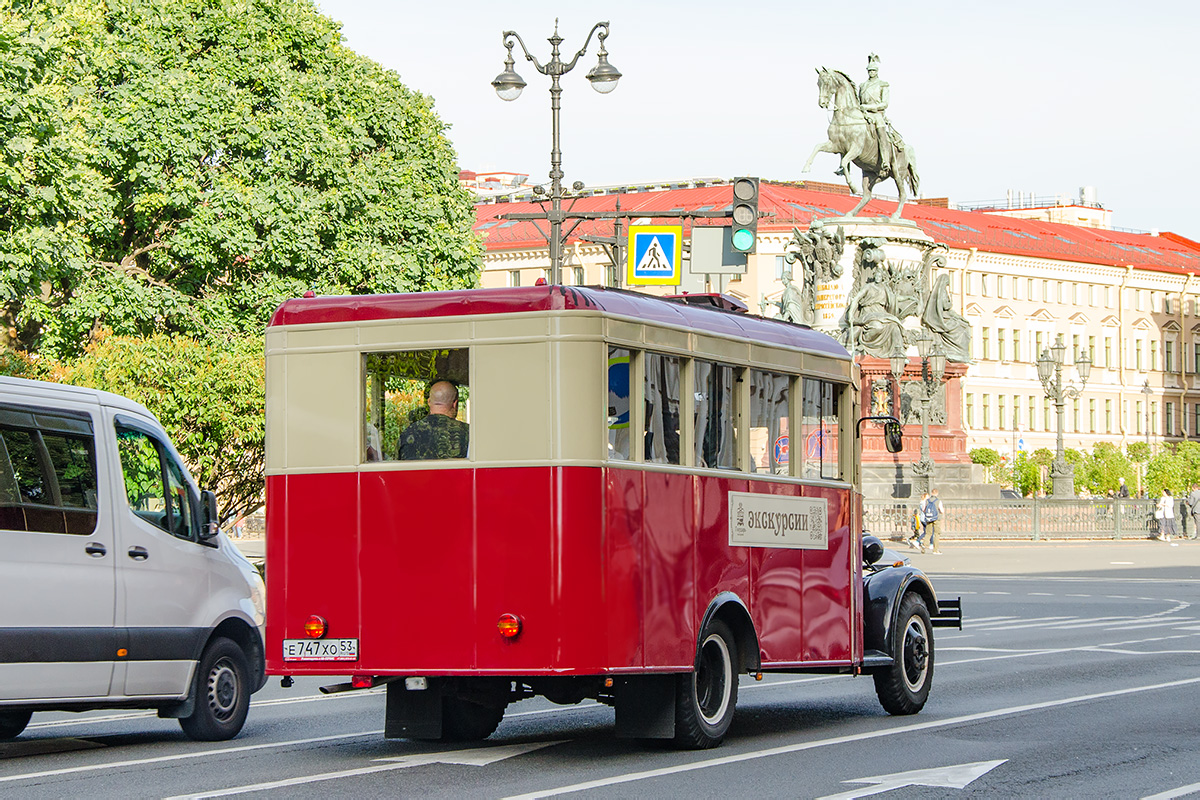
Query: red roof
[
  {"x": 310, "y": 310},
  {"x": 796, "y": 206}
]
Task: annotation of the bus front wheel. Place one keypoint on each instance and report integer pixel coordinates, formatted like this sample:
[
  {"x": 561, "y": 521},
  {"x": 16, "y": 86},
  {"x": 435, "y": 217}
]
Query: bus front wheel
[
  {"x": 705, "y": 699},
  {"x": 903, "y": 687}
]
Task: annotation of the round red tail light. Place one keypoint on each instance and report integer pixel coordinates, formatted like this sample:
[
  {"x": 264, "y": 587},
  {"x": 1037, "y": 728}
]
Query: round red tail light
[
  {"x": 315, "y": 627},
  {"x": 509, "y": 625}
]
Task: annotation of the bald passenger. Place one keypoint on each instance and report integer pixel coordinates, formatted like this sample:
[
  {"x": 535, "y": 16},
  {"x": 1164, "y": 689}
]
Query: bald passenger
[{"x": 439, "y": 435}]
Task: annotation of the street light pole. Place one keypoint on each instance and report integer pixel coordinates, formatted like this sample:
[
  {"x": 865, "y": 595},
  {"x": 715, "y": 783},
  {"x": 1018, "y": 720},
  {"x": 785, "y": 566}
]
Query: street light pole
[
  {"x": 508, "y": 85},
  {"x": 1050, "y": 367},
  {"x": 933, "y": 368}
]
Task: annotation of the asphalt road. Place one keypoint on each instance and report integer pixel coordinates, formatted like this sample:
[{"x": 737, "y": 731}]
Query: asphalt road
[{"x": 1077, "y": 675}]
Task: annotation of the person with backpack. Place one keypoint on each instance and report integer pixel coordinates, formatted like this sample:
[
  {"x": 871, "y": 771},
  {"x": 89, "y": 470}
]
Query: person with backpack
[
  {"x": 932, "y": 517},
  {"x": 918, "y": 525}
]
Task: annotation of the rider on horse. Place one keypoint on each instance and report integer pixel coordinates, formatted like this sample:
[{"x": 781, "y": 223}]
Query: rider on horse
[{"x": 873, "y": 97}]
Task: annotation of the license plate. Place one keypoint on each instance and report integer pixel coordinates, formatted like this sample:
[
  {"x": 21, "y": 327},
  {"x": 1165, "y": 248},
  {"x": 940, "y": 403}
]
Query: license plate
[{"x": 320, "y": 649}]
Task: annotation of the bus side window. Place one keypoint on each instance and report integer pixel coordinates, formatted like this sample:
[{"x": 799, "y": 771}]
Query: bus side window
[
  {"x": 618, "y": 403},
  {"x": 819, "y": 430},
  {"x": 662, "y": 409},
  {"x": 769, "y": 422},
  {"x": 716, "y": 445}
]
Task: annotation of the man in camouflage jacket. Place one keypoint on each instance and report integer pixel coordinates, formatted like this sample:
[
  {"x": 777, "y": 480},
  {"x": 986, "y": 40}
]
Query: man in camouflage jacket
[{"x": 439, "y": 435}]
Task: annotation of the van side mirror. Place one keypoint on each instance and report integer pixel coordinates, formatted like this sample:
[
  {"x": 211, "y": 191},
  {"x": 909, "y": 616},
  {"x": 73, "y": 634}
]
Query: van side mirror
[
  {"x": 208, "y": 518},
  {"x": 893, "y": 436}
]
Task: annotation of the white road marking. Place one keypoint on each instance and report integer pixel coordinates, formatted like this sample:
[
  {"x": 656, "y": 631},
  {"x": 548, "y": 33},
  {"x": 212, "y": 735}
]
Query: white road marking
[
  {"x": 957, "y": 776},
  {"x": 1170, "y": 794},
  {"x": 476, "y": 757},
  {"x": 849, "y": 738}
]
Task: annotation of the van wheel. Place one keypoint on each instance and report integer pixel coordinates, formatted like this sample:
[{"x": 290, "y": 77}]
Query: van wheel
[
  {"x": 904, "y": 687},
  {"x": 222, "y": 693},
  {"x": 464, "y": 721},
  {"x": 12, "y": 723},
  {"x": 705, "y": 699}
]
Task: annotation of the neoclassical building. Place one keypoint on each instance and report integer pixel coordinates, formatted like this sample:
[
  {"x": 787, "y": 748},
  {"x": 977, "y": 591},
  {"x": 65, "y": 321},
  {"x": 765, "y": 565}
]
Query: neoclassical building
[{"x": 1022, "y": 278}]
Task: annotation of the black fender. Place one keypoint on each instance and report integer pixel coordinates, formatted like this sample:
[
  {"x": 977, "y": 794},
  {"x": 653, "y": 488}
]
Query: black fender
[
  {"x": 730, "y": 609},
  {"x": 882, "y": 593}
]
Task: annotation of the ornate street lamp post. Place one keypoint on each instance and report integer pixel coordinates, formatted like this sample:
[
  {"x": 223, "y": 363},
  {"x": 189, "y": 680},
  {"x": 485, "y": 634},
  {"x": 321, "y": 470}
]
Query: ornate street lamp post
[
  {"x": 1050, "y": 367},
  {"x": 933, "y": 368},
  {"x": 508, "y": 84}
]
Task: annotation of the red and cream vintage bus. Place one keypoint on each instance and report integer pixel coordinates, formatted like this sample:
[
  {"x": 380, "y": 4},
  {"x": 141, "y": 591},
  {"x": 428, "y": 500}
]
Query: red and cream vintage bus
[{"x": 656, "y": 497}]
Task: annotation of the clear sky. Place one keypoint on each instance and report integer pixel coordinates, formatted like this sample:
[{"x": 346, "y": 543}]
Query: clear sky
[{"x": 1037, "y": 97}]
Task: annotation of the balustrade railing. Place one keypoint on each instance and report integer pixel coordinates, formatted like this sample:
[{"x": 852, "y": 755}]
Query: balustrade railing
[{"x": 1025, "y": 519}]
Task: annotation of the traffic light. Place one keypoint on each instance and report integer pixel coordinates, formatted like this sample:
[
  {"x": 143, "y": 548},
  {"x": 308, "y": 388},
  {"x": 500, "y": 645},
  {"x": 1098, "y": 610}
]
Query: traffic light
[{"x": 745, "y": 214}]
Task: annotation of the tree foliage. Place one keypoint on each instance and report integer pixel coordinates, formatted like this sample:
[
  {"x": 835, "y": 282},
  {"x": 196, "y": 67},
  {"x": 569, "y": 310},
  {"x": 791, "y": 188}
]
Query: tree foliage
[
  {"x": 181, "y": 166},
  {"x": 209, "y": 400}
]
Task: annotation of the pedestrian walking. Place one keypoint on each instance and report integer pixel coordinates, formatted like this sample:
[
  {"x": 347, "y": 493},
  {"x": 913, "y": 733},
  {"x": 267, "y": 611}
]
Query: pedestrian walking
[
  {"x": 1193, "y": 505},
  {"x": 1165, "y": 514},
  {"x": 934, "y": 511},
  {"x": 1124, "y": 490},
  {"x": 918, "y": 525}
]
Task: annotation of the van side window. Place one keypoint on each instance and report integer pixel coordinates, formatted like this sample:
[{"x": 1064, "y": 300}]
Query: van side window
[
  {"x": 47, "y": 472},
  {"x": 154, "y": 483}
]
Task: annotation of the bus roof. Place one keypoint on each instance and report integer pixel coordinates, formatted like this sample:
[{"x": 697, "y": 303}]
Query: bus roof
[{"x": 356, "y": 308}]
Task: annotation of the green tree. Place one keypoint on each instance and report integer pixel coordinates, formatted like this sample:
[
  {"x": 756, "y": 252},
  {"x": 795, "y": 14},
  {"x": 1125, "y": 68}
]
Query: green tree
[
  {"x": 1027, "y": 478},
  {"x": 988, "y": 458},
  {"x": 1167, "y": 470},
  {"x": 1103, "y": 468},
  {"x": 181, "y": 166},
  {"x": 209, "y": 400}
]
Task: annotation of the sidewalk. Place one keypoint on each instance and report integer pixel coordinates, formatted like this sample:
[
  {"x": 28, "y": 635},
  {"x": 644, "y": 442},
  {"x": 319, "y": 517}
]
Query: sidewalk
[{"x": 1055, "y": 557}]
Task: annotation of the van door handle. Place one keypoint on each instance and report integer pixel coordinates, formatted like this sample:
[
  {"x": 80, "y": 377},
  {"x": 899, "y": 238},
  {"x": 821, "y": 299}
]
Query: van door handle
[
  {"x": 95, "y": 549},
  {"x": 139, "y": 553}
]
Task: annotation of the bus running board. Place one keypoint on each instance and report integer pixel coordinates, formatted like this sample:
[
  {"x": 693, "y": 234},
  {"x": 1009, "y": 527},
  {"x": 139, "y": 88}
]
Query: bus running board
[{"x": 949, "y": 614}]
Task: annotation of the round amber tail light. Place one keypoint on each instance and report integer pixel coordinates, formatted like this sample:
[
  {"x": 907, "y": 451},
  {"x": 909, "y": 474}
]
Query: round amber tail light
[
  {"x": 315, "y": 627},
  {"x": 509, "y": 625}
]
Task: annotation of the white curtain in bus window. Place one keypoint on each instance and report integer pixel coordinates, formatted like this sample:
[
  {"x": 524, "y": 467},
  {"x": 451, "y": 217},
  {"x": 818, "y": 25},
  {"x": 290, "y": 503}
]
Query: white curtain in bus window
[
  {"x": 618, "y": 403},
  {"x": 769, "y": 443},
  {"x": 662, "y": 409},
  {"x": 408, "y": 388},
  {"x": 819, "y": 431},
  {"x": 716, "y": 445}
]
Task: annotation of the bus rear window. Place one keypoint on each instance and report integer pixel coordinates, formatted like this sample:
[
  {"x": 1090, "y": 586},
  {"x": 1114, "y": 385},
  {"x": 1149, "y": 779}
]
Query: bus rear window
[
  {"x": 416, "y": 405},
  {"x": 819, "y": 430},
  {"x": 769, "y": 422}
]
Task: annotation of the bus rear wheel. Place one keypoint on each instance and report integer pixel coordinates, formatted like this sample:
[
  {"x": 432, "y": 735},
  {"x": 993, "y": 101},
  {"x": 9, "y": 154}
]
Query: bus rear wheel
[
  {"x": 12, "y": 723},
  {"x": 904, "y": 687},
  {"x": 465, "y": 721},
  {"x": 705, "y": 699}
]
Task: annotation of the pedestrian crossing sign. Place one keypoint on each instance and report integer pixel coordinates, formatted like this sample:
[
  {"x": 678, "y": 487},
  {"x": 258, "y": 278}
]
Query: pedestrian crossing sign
[{"x": 654, "y": 255}]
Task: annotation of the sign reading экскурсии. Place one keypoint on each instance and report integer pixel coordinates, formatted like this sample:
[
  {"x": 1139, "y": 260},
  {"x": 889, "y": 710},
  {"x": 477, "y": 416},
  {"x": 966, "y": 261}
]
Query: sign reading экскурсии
[{"x": 771, "y": 520}]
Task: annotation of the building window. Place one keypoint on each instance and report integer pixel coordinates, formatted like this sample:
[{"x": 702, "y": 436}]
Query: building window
[
  {"x": 578, "y": 277},
  {"x": 1153, "y": 354},
  {"x": 1140, "y": 417},
  {"x": 1045, "y": 291},
  {"x": 1108, "y": 352},
  {"x": 983, "y": 285},
  {"x": 1154, "y": 417},
  {"x": 780, "y": 267},
  {"x": 1137, "y": 349},
  {"x": 984, "y": 341},
  {"x": 612, "y": 276},
  {"x": 987, "y": 407},
  {"x": 1196, "y": 419},
  {"x": 1108, "y": 426},
  {"x": 1166, "y": 304},
  {"x": 1000, "y": 286},
  {"x": 514, "y": 277},
  {"x": 1000, "y": 344},
  {"x": 1032, "y": 413},
  {"x": 1045, "y": 413},
  {"x": 1168, "y": 356},
  {"x": 1169, "y": 418},
  {"x": 1075, "y": 348},
  {"x": 1016, "y": 412},
  {"x": 1037, "y": 345},
  {"x": 1029, "y": 288},
  {"x": 971, "y": 410},
  {"x": 1000, "y": 412},
  {"x": 1061, "y": 291},
  {"x": 1016, "y": 345},
  {"x": 1092, "y": 416},
  {"x": 1075, "y": 415}
]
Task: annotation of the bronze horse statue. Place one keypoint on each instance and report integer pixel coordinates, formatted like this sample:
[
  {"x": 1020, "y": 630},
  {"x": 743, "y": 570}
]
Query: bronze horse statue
[{"x": 851, "y": 137}]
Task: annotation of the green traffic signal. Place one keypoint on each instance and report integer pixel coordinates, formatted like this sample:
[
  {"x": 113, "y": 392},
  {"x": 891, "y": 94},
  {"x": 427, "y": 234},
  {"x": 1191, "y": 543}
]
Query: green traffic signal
[{"x": 743, "y": 240}]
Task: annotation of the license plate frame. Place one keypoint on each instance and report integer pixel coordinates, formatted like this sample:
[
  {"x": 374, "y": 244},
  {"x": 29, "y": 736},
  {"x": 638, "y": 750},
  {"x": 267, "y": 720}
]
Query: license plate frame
[{"x": 320, "y": 649}]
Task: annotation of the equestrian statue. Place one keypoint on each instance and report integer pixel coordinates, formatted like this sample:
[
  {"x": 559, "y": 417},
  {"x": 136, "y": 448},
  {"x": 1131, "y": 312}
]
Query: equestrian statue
[{"x": 862, "y": 135}]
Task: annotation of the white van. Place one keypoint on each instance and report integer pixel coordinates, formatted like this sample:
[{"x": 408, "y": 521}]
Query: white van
[{"x": 116, "y": 588}]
